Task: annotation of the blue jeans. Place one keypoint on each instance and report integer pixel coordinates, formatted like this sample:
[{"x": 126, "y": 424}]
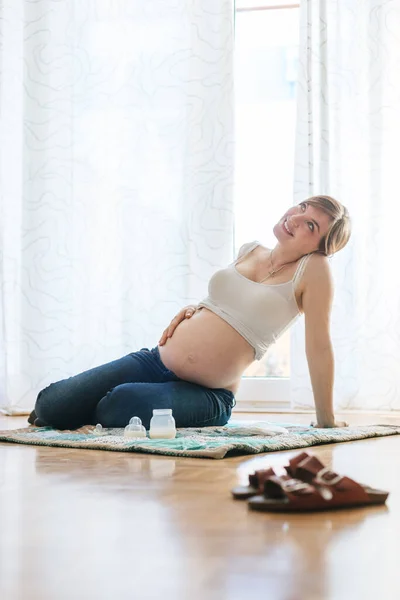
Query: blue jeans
[{"x": 131, "y": 386}]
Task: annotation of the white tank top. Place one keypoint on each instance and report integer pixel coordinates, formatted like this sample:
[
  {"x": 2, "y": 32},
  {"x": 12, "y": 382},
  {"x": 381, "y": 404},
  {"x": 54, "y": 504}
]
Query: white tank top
[{"x": 261, "y": 313}]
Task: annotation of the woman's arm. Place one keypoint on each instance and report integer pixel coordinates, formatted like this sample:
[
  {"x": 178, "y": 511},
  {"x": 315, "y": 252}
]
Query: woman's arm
[{"x": 317, "y": 300}]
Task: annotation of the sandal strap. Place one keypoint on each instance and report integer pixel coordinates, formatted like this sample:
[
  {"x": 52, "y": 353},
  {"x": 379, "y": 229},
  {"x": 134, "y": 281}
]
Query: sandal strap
[
  {"x": 293, "y": 462},
  {"x": 312, "y": 469},
  {"x": 258, "y": 478},
  {"x": 284, "y": 485}
]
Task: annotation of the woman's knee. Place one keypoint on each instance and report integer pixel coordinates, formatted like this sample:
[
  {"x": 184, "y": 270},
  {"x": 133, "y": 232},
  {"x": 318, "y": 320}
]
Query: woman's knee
[
  {"x": 49, "y": 406},
  {"x": 45, "y": 402},
  {"x": 124, "y": 402}
]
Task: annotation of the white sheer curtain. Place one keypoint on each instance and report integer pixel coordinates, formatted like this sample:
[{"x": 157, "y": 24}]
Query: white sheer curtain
[
  {"x": 116, "y": 177},
  {"x": 347, "y": 146}
]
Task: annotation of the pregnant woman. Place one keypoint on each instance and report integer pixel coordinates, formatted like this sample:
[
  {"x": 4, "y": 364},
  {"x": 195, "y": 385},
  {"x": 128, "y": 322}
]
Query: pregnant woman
[{"x": 196, "y": 367}]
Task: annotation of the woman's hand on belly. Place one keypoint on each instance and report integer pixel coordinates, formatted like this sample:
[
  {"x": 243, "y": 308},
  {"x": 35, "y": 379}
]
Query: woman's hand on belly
[{"x": 184, "y": 313}]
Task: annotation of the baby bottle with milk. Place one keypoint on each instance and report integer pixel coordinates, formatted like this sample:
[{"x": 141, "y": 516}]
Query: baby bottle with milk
[
  {"x": 135, "y": 429},
  {"x": 162, "y": 424}
]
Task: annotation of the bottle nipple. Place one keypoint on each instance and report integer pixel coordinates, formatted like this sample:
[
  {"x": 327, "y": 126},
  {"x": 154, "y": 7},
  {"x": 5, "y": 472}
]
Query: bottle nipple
[
  {"x": 99, "y": 430},
  {"x": 135, "y": 429}
]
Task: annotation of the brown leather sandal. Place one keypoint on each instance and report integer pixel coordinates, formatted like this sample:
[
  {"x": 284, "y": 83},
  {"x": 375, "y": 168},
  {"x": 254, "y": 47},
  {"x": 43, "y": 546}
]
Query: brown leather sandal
[
  {"x": 314, "y": 488},
  {"x": 258, "y": 478}
]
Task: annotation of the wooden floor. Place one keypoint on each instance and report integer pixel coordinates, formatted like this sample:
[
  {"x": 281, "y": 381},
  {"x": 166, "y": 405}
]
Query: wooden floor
[{"x": 82, "y": 524}]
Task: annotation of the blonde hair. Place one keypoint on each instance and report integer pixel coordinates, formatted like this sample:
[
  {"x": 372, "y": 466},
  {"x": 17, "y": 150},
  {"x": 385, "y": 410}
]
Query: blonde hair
[{"x": 340, "y": 230}]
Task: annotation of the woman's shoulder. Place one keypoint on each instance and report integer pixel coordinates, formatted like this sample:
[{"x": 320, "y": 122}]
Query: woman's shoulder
[
  {"x": 247, "y": 247},
  {"x": 318, "y": 271},
  {"x": 319, "y": 261}
]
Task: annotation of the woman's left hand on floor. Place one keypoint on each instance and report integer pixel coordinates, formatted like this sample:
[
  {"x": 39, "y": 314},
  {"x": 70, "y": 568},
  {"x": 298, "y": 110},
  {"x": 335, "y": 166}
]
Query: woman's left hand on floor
[{"x": 335, "y": 424}]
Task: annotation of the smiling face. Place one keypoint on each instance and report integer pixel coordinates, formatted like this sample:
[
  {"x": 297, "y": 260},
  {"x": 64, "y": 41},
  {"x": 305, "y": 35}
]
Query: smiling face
[{"x": 302, "y": 227}]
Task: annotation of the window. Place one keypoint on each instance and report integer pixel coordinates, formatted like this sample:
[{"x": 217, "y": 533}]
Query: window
[{"x": 266, "y": 50}]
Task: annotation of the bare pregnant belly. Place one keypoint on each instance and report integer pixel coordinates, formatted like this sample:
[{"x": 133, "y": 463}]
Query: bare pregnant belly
[{"x": 206, "y": 350}]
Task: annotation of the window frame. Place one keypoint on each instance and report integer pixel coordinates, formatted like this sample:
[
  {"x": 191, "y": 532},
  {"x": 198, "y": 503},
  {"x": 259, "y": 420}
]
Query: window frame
[{"x": 260, "y": 394}]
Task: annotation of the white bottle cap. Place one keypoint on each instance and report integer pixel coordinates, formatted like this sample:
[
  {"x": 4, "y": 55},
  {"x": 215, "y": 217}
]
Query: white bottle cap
[{"x": 162, "y": 411}]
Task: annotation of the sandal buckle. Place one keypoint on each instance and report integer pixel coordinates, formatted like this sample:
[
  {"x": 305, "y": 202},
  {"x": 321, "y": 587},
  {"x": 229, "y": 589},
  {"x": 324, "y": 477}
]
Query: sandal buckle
[
  {"x": 322, "y": 479},
  {"x": 294, "y": 485}
]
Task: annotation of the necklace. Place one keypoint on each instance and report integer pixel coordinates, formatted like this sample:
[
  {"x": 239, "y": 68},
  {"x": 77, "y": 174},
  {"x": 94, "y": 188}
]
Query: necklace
[{"x": 271, "y": 273}]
